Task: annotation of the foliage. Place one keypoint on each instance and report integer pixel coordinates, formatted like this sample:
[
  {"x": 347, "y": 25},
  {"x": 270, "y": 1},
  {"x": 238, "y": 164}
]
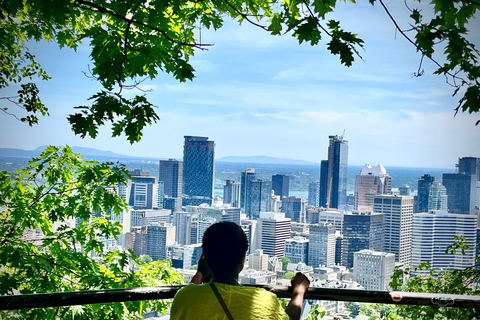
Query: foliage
[
  {"x": 378, "y": 311},
  {"x": 317, "y": 312},
  {"x": 288, "y": 275},
  {"x": 144, "y": 258},
  {"x": 133, "y": 40},
  {"x": 285, "y": 261},
  {"x": 438, "y": 281},
  {"x": 49, "y": 240}
]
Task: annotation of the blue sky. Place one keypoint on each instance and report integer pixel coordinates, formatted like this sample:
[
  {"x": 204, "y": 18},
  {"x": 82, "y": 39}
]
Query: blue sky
[{"x": 255, "y": 94}]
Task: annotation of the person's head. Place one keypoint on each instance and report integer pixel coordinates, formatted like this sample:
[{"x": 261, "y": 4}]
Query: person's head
[{"x": 224, "y": 246}]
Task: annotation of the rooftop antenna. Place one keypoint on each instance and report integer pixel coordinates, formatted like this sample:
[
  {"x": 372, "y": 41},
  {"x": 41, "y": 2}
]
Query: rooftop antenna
[{"x": 343, "y": 134}]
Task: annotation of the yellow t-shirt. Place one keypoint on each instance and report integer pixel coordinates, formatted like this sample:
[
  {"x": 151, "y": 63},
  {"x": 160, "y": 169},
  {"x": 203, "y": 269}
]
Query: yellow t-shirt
[{"x": 198, "y": 301}]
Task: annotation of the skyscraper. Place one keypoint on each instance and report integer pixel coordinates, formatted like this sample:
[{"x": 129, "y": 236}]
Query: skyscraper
[
  {"x": 322, "y": 193},
  {"x": 404, "y": 190},
  {"x": 247, "y": 176},
  {"x": 369, "y": 183},
  {"x": 461, "y": 192},
  {"x": 373, "y": 269},
  {"x": 361, "y": 231},
  {"x": 198, "y": 169},
  {"x": 335, "y": 179},
  {"x": 421, "y": 200},
  {"x": 258, "y": 198},
  {"x": 313, "y": 194},
  {"x": 433, "y": 232},
  {"x": 398, "y": 212},
  {"x": 142, "y": 192},
  {"x": 280, "y": 185},
  {"x": 153, "y": 240},
  {"x": 183, "y": 222},
  {"x": 294, "y": 208},
  {"x": 231, "y": 193},
  {"x": 471, "y": 166},
  {"x": 321, "y": 247},
  {"x": 272, "y": 231},
  {"x": 437, "y": 199},
  {"x": 231, "y": 214},
  {"x": 171, "y": 173},
  {"x": 296, "y": 249}
]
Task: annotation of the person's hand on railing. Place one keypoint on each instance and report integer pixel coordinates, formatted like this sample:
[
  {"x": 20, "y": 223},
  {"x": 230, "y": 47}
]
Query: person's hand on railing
[{"x": 300, "y": 284}]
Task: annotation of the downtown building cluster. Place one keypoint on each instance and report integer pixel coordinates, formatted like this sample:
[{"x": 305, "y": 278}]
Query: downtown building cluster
[{"x": 338, "y": 239}]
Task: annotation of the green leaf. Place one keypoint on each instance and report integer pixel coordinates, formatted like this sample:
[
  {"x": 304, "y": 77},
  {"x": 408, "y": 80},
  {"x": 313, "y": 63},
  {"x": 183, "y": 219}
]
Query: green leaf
[{"x": 275, "y": 24}]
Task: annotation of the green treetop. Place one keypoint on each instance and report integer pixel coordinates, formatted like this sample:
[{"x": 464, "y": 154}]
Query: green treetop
[{"x": 50, "y": 242}]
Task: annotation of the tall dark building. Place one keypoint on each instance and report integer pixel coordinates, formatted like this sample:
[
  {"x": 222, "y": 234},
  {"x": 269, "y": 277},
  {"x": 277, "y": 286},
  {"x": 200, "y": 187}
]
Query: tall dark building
[
  {"x": 280, "y": 185},
  {"x": 334, "y": 182},
  {"x": 469, "y": 166},
  {"x": 231, "y": 193},
  {"x": 198, "y": 169},
  {"x": 258, "y": 198},
  {"x": 421, "y": 200},
  {"x": 322, "y": 198},
  {"x": 361, "y": 231},
  {"x": 294, "y": 208},
  {"x": 247, "y": 176},
  {"x": 171, "y": 173},
  {"x": 313, "y": 193},
  {"x": 460, "y": 192},
  {"x": 463, "y": 188}
]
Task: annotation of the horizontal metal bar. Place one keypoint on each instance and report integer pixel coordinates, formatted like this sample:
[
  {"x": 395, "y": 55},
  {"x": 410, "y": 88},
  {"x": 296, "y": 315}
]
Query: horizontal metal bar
[{"x": 60, "y": 299}]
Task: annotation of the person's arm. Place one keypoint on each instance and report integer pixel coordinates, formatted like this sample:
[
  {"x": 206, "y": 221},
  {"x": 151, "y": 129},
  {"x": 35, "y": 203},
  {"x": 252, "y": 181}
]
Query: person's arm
[
  {"x": 203, "y": 272},
  {"x": 300, "y": 284}
]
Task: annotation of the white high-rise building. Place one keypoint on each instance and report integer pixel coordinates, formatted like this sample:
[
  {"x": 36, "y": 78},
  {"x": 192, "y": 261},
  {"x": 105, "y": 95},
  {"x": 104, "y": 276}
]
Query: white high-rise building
[
  {"x": 272, "y": 231},
  {"x": 373, "y": 269},
  {"x": 183, "y": 223},
  {"x": 296, "y": 249},
  {"x": 369, "y": 183},
  {"x": 433, "y": 232},
  {"x": 321, "y": 247},
  {"x": 437, "y": 197},
  {"x": 398, "y": 225}
]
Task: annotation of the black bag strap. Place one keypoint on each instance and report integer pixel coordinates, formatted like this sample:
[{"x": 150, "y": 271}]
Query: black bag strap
[{"x": 219, "y": 297}]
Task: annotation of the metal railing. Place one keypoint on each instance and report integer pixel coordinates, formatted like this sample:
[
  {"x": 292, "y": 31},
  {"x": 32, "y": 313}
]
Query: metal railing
[{"x": 60, "y": 299}]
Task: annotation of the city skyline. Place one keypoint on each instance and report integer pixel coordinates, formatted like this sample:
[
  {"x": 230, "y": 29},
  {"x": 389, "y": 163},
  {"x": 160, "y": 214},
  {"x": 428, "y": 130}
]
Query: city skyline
[{"x": 257, "y": 94}]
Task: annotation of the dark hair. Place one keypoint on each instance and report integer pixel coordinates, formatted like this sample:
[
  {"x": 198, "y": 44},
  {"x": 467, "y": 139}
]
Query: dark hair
[{"x": 224, "y": 246}]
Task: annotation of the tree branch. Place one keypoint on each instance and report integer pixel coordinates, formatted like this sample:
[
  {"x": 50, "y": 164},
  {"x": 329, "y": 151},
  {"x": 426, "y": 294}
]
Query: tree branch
[
  {"x": 55, "y": 264},
  {"x": 454, "y": 76},
  {"x": 140, "y": 23},
  {"x": 474, "y": 2},
  {"x": 245, "y": 16},
  {"x": 10, "y": 114},
  {"x": 316, "y": 19}
]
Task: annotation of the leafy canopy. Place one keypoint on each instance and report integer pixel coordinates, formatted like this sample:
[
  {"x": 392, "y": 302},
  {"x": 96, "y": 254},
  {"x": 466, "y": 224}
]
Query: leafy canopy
[
  {"x": 430, "y": 280},
  {"x": 51, "y": 242},
  {"x": 133, "y": 40}
]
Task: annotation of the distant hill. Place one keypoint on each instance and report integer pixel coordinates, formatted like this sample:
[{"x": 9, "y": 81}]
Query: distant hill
[
  {"x": 265, "y": 160},
  {"x": 89, "y": 153},
  {"x": 92, "y": 153},
  {"x": 18, "y": 153}
]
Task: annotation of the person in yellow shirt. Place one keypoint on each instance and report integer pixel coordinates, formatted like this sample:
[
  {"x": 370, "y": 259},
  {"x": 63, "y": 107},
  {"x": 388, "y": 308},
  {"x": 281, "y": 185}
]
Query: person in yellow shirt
[{"x": 224, "y": 248}]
